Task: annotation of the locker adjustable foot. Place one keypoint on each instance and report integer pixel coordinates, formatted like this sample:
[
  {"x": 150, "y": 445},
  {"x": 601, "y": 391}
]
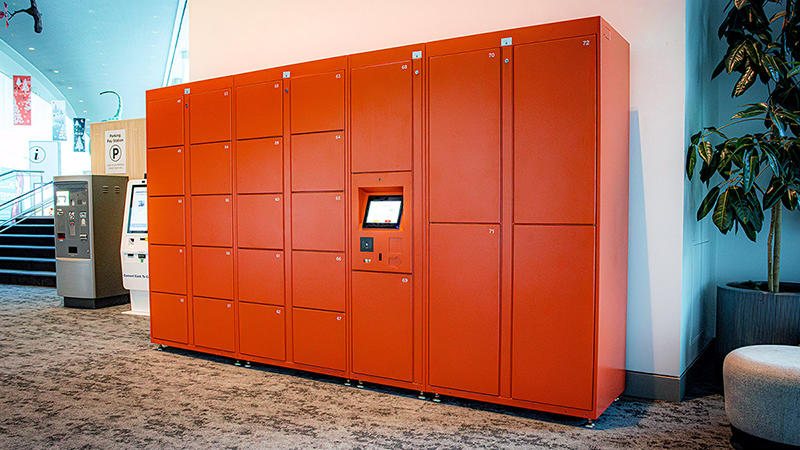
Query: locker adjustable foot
[
  {"x": 347, "y": 382},
  {"x": 616, "y": 400},
  {"x": 436, "y": 398},
  {"x": 360, "y": 385},
  {"x": 237, "y": 363},
  {"x": 247, "y": 364},
  {"x": 160, "y": 348},
  {"x": 589, "y": 424},
  {"x": 421, "y": 395}
]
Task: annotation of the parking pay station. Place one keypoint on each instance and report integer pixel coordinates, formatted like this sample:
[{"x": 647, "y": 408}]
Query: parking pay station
[{"x": 133, "y": 248}]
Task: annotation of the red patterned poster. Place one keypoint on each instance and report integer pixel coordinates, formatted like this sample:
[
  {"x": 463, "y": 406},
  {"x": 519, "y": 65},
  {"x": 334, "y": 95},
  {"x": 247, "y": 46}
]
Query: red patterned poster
[{"x": 22, "y": 100}]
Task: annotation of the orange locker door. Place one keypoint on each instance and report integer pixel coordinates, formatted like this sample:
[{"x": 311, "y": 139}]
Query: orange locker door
[
  {"x": 318, "y": 280},
  {"x": 211, "y": 168},
  {"x": 553, "y": 323},
  {"x": 554, "y": 131},
  {"x": 167, "y": 269},
  {"x": 213, "y": 324},
  {"x": 318, "y": 221},
  {"x": 317, "y": 102},
  {"x": 464, "y": 137},
  {"x": 259, "y": 166},
  {"x": 212, "y": 220},
  {"x": 260, "y": 221},
  {"x": 381, "y": 117},
  {"x": 318, "y": 338},
  {"x": 464, "y": 307},
  {"x": 259, "y": 110},
  {"x": 212, "y": 272},
  {"x": 165, "y": 171},
  {"x": 318, "y": 162},
  {"x": 210, "y": 116},
  {"x": 382, "y": 313},
  {"x": 165, "y": 122},
  {"x": 260, "y": 276},
  {"x": 165, "y": 216},
  {"x": 169, "y": 318},
  {"x": 261, "y": 331}
]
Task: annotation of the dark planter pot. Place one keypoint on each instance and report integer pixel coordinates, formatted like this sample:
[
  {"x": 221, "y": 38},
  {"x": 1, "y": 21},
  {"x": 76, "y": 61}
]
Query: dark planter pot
[{"x": 750, "y": 317}]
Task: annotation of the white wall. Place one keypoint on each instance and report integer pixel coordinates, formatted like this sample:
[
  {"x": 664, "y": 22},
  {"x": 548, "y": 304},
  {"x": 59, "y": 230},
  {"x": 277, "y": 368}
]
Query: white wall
[{"x": 259, "y": 34}]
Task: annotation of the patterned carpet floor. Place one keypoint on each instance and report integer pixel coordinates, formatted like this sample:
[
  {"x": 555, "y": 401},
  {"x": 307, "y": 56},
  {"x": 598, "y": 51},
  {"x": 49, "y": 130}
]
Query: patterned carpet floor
[{"x": 90, "y": 379}]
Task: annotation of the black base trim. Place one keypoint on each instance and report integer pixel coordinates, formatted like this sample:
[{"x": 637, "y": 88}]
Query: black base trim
[
  {"x": 94, "y": 303},
  {"x": 742, "y": 440}
]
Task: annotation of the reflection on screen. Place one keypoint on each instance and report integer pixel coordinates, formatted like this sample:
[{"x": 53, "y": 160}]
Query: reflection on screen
[
  {"x": 62, "y": 198},
  {"x": 137, "y": 216},
  {"x": 384, "y": 211}
]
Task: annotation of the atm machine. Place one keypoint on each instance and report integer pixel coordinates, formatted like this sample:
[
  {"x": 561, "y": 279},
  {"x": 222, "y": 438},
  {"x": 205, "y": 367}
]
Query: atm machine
[
  {"x": 133, "y": 248},
  {"x": 88, "y": 216}
]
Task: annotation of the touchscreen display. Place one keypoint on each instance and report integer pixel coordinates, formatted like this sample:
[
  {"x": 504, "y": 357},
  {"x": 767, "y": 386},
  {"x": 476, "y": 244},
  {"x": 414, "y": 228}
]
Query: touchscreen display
[
  {"x": 137, "y": 216},
  {"x": 383, "y": 211},
  {"x": 62, "y": 198}
]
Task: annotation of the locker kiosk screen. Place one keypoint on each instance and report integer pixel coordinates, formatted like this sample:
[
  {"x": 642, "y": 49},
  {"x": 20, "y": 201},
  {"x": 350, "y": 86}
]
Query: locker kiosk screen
[
  {"x": 137, "y": 216},
  {"x": 383, "y": 211}
]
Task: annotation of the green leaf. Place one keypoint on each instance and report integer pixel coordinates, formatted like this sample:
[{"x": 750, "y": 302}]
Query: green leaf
[
  {"x": 736, "y": 56},
  {"x": 708, "y": 203},
  {"x": 750, "y": 171},
  {"x": 696, "y": 137},
  {"x": 745, "y": 81},
  {"x": 790, "y": 199},
  {"x": 753, "y": 110},
  {"x": 740, "y": 3},
  {"x": 722, "y": 216},
  {"x": 775, "y": 191},
  {"x": 777, "y": 16},
  {"x": 691, "y": 160},
  {"x": 706, "y": 151},
  {"x": 772, "y": 66},
  {"x": 794, "y": 71}
]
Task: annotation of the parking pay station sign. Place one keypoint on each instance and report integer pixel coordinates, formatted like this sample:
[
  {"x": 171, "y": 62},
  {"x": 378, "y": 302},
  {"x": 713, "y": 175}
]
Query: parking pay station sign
[{"x": 115, "y": 152}]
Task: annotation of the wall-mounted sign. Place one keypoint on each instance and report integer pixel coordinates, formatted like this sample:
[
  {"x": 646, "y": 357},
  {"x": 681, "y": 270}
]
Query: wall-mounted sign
[
  {"x": 115, "y": 152},
  {"x": 22, "y": 100},
  {"x": 45, "y": 156},
  {"x": 59, "y": 120}
]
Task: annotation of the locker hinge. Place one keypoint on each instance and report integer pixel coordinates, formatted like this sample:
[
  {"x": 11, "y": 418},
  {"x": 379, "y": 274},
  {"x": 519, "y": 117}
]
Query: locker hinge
[
  {"x": 416, "y": 55},
  {"x": 187, "y": 91},
  {"x": 505, "y": 41},
  {"x": 287, "y": 74}
]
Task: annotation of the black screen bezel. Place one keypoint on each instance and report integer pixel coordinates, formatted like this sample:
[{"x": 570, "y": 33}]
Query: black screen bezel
[
  {"x": 130, "y": 210},
  {"x": 390, "y": 225}
]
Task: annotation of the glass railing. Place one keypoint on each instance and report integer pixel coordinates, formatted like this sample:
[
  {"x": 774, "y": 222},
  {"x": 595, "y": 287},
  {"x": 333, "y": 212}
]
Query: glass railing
[
  {"x": 14, "y": 183},
  {"x": 36, "y": 202}
]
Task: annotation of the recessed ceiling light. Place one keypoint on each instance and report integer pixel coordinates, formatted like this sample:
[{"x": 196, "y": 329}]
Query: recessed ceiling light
[
  {"x": 84, "y": 110},
  {"x": 91, "y": 11},
  {"x": 80, "y": 101},
  {"x": 155, "y": 17},
  {"x": 69, "y": 87},
  {"x": 31, "y": 48},
  {"x": 55, "y": 70}
]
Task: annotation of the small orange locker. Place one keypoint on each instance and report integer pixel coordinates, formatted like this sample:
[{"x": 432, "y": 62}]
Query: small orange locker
[
  {"x": 382, "y": 314},
  {"x": 464, "y": 137},
  {"x": 166, "y": 220},
  {"x": 318, "y": 338},
  {"x": 211, "y": 168},
  {"x": 261, "y": 276},
  {"x": 213, "y": 324},
  {"x": 165, "y": 122},
  {"x": 318, "y": 221},
  {"x": 212, "y": 220},
  {"x": 259, "y": 166},
  {"x": 318, "y": 162},
  {"x": 464, "y": 307},
  {"x": 260, "y": 222},
  {"x": 317, "y": 102},
  {"x": 553, "y": 323},
  {"x": 210, "y": 116},
  {"x": 262, "y": 331},
  {"x": 259, "y": 110},
  {"x": 165, "y": 171},
  {"x": 545, "y": 98},
  {"x": 212, "y": 272},
  {"x": 169, "y": 318},
  {"x": 381, "y": 117},
  {"x": 167, "y": 269},
  {"x": 318, "y": 280}
]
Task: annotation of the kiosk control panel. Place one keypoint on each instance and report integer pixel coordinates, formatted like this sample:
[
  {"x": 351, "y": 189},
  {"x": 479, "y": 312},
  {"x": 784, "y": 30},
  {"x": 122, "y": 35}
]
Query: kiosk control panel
[
  {"x": 72, "y": 220},
  {"x": 133, "y": 248}
]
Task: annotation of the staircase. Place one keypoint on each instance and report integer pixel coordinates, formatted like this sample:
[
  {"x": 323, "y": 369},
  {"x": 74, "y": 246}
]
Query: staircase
[{"x": 27, "y": 253}]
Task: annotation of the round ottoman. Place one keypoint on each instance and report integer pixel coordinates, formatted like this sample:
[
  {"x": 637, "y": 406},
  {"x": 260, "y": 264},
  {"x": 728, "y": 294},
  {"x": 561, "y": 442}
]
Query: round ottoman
[{"x": 762, "y": 392}]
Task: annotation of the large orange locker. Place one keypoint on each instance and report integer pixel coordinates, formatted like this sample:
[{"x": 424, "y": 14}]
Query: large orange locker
[
  {"x": 165, "y": 122},
  {"x": 260, "y": 221},
  {"x": 381, "y": 110},
  {"x": 211, "y": 168},
  {"x": 165, "y": 171},
  {"x": 317, "y": 102},
  {"x": 210, "y": 116},
  {"x": 318, "y": 162},
  {"x": 259, "y": 110},
  {"x": 318, "y": 280},
  {"x": 213, "y": 323},
  {"x": 464, "y": 307},
  {"x": 166, "y": 220},
  {"x": 262, "y": 331},
  {"x": 383, "y": 319},
  {"x": 259, "y": 166},
  {"x": 212, "y": 272},
  {"x": 319, "y": 338},
  {"x": 260, "y": 277},
  {"x": 318, "y": 221},
  {"x": 168, "y": 317},
  {"x": 167, "y": 268},
  {"x": 212, "y": 220}
]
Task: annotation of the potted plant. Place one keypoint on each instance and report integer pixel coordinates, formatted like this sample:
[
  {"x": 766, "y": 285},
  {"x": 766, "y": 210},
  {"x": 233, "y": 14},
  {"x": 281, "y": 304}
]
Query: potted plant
[{"x": 748, "y": 174}]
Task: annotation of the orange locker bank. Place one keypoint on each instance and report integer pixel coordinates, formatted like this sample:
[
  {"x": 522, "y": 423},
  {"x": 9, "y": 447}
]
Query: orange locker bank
[{"x": 448, "y": 217}]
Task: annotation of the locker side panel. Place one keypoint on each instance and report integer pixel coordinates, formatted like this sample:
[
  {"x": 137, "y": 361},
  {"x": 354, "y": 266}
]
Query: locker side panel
[{"x": 168, "y": 317}]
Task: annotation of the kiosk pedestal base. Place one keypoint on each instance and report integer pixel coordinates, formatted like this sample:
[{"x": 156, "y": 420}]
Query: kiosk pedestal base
[
  {"x": 94, "y": 303},
  {"x": 140, "y": 304}
]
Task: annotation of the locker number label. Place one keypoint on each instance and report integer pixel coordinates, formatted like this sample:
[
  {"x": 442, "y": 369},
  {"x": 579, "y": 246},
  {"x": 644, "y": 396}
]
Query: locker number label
[
  {"x": 587, "y": 43},
  {"x": 338, "y": 75},
  {"x": 491, "y": 54},
  {"x": 404, "y": 66}
]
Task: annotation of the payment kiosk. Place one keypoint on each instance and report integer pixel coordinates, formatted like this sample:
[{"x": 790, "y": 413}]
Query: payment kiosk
[{"x": 133, "y": 248}]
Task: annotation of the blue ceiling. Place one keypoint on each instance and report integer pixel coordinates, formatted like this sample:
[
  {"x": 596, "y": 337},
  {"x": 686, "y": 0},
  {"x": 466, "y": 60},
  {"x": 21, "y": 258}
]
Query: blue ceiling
[{"x": 90, "y": 46}]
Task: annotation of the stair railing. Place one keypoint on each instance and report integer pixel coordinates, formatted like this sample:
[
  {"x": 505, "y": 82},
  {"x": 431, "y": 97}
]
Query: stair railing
[{"x": 31, "y": 203}]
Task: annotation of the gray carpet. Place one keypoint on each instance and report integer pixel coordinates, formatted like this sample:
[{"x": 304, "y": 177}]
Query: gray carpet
[{"x": 91, "y": 379}]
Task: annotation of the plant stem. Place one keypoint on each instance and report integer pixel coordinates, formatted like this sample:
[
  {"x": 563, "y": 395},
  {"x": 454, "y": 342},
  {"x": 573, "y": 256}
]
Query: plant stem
[
  {"x": 770, "y": 240},
  {"x": 776, "y": 249}
]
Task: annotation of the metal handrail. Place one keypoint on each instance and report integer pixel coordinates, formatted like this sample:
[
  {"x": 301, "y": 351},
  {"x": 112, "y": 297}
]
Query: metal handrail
[
  {"x": 18, "y": 171},
  {"x": 3, "y": 205},
  {"x": 21, "y": 216}
]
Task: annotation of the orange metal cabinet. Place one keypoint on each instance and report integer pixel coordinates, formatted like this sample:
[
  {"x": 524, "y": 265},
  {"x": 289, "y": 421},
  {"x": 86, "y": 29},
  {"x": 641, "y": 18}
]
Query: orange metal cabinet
[
  {"x": 166, "y": 220},
  {"x": 318, "y": 162},
  {"x": 260, "y": 276},
  {"x": 260, "y": 221},
  {"x": 165, "y": 122},
  {"x": 381, "y": 110},
  {"x": 211, "y": 168},
  {"x": 317, "y": 102},
  {"x": 212, "y": 272},
  {"x": 382, "y": 314},
  {"x": 214, "y": 324},
  {"x": 259, "y": 166},
  {"x": 210, "y": 116},
  {"x": 167, "y": 269},
  {"x": 212, "y": 220},
  {"x": 553, "y": 303},
  {"x": 262, "y": 331},
  {"x": 318, "y": 221},
  {"x": 464, "y": 307},
  {"x": 259, "y": 110},
  {"x": 165, "y": 171},
  {"x": 318, "y": 280},
  {"x": 169, "y": 318},
  {"x": 464, "y": 137},
  {"x": 555, "y": 86},
  {"x": 319, "y": 338}
]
